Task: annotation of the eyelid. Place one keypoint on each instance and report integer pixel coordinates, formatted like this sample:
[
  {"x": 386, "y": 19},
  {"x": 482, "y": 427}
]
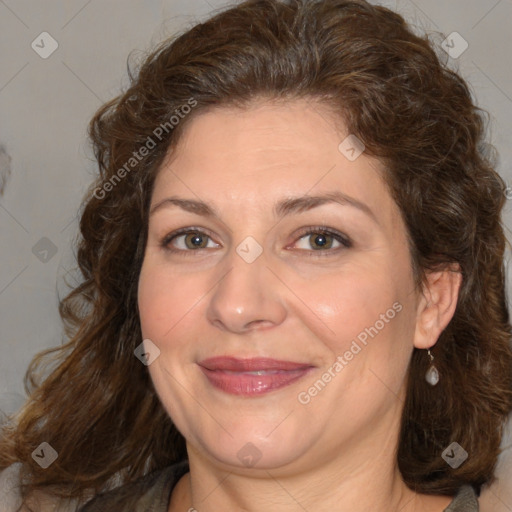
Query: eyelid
[
  {"x": 343, "y": 239},
  {"x": 183, "y": 231},
  {"x": 340, "y": 237}
]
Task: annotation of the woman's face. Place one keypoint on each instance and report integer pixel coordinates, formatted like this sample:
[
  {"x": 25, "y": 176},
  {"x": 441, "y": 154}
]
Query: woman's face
[{"x": 272, "y": 268}]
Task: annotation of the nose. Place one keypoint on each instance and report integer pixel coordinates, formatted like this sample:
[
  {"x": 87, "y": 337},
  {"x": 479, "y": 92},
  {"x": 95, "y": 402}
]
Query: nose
[{"x": 248, "y": 297}]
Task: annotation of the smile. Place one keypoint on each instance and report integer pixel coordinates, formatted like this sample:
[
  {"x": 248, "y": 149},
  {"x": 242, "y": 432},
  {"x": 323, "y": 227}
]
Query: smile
[{"x": 251, "y": 377}]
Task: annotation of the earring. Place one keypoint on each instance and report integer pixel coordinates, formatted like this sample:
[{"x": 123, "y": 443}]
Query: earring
[{"x": 432, "y": 375}]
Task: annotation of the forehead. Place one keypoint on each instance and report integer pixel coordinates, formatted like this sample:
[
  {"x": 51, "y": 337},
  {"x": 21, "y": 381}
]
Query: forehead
[{"x": 256, "y": 155}]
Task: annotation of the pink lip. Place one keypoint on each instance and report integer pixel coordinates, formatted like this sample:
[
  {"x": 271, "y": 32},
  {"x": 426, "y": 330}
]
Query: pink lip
[{"x": 230, "y": 374}]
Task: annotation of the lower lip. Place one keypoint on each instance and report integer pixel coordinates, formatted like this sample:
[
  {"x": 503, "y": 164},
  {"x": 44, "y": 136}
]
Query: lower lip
[{"x": 252, "y": 385}]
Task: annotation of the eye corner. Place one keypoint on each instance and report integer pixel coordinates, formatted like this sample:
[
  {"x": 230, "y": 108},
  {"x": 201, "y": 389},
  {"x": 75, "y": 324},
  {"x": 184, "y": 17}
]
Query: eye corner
[{"x": 344, "y": 240}]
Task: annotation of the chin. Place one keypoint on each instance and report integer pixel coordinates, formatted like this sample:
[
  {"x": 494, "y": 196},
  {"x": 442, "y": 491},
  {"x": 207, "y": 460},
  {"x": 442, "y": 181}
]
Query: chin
[{"x": 242, "y": 445}]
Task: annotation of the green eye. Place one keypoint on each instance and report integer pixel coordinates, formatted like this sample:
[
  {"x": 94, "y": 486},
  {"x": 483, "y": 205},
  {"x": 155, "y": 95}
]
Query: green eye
[
  {"x": 187, "y": 240},
  {"x": 195, "y": 240},
  {"x": 323, "y": 239},
  {"x": 313, "y": 239}
]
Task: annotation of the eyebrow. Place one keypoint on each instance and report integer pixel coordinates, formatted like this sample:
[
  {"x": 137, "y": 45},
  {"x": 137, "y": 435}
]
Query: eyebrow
[{"x": 283, "y": 208}]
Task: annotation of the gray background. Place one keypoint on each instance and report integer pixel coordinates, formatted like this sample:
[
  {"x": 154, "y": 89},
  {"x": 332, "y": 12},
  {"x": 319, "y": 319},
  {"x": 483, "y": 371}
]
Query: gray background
[{"x": 45, "y": 105}]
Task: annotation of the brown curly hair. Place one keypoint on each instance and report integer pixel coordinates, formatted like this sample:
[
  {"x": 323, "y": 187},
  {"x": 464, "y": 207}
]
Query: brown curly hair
[{"x": 98, "y": 408}]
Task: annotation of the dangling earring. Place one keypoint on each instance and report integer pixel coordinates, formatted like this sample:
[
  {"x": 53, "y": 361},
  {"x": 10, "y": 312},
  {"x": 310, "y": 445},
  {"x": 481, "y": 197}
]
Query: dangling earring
[{"x": 432, "y": 375}]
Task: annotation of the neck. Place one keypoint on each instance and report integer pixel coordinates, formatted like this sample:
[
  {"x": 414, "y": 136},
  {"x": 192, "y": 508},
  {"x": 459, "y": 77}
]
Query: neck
[{"x": 341, "y": 484}]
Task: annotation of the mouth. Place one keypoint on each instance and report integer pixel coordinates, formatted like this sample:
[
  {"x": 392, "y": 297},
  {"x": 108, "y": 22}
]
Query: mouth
[{"x": 252, "y": 377}]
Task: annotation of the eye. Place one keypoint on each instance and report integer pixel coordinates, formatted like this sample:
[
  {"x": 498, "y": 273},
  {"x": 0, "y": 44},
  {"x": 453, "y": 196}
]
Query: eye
[
  {"x": 315, "y": 238},
  {"x": 187, "y": 240},
  {"x": 323, "y": 239}
]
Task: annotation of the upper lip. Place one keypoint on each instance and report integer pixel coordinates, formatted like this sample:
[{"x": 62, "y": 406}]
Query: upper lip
[{"x": 254, "y": 364}]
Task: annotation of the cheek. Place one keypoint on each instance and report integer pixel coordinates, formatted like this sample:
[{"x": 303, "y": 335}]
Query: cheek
[
  {"x": 348, "y": 301},
  {"x": 163, "y": 302},
  {"x": 363, "y": 315}
]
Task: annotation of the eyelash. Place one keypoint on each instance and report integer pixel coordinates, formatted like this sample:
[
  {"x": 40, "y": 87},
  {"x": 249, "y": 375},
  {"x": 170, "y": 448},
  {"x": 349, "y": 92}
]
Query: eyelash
[{"x": 344, "y": 240}]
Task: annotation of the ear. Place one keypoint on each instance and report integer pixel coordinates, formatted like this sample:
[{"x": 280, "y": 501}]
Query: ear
[{"x": 436, "y": 305}]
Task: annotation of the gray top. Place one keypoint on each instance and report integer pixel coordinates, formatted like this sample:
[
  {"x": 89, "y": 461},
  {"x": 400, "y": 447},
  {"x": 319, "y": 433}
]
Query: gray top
[{"x": 153, "y": 492}]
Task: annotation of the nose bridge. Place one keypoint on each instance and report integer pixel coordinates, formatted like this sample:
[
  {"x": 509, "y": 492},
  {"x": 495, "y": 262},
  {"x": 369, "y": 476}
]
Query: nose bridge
[{"x": 248, "y": 294}]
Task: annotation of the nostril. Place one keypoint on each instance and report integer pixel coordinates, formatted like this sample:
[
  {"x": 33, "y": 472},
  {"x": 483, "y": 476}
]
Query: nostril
[{"x": 259, "y": 323}]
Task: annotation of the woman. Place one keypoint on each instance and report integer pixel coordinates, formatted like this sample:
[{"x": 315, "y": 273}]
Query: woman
[{"x": 293, "y": 293}]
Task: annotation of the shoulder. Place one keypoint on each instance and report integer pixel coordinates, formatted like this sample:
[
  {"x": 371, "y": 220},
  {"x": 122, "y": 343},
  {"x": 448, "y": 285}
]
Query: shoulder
[
  {"x": 464, "y": 501},
  {"x": 150, "y": 493},
  {"x": 11, "y": 500}
]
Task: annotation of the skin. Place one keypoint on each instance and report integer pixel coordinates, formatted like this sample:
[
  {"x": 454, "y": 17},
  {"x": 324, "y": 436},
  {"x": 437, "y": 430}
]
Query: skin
[{"x": 293, "y": 303}]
